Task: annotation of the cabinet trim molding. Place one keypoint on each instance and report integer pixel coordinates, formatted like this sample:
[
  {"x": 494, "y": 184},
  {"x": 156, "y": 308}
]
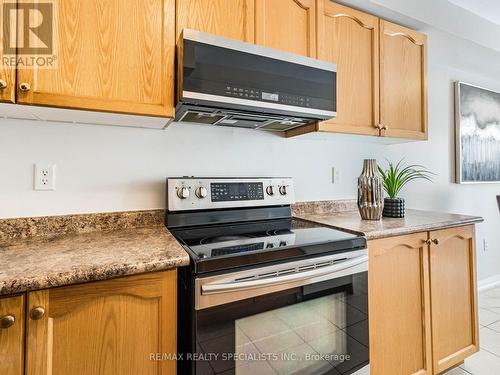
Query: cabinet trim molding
[
  {"x": 409, "y": 37},
  {"x": 355, "y": 19}
]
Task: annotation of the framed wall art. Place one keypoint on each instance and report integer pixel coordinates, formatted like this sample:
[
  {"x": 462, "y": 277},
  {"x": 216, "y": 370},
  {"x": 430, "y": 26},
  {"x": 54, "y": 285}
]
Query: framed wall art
[{"x": 477, "y": 123}]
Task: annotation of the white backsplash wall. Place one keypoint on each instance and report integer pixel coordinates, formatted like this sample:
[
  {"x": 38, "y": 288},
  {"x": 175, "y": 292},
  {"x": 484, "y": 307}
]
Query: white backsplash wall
[{"x": 103, "y": 168}]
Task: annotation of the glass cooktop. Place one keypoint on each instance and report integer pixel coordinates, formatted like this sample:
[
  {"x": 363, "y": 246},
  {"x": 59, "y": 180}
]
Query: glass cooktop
[{"x": 264, "y": 240}]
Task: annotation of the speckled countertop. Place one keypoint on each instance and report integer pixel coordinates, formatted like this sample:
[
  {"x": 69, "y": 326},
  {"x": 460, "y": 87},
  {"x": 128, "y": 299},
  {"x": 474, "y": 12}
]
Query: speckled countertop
[
  {"x": 38, "y": 253},
  {"x": 40, "y": 262},
  {"x": 415, "y": 221}
]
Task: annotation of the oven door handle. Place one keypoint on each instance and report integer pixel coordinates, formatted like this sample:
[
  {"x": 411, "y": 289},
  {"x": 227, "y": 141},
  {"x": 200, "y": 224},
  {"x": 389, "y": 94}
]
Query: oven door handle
[{"x": 234, "y": 286}]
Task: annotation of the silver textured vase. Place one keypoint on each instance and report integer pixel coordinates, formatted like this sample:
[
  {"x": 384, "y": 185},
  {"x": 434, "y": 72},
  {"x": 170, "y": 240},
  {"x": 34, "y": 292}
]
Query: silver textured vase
[{"x": 370, "y": 191}]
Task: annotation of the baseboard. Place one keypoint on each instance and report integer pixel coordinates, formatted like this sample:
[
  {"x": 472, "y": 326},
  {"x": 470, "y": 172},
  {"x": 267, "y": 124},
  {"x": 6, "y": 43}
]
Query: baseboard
[{"x": 488, "y": 283}]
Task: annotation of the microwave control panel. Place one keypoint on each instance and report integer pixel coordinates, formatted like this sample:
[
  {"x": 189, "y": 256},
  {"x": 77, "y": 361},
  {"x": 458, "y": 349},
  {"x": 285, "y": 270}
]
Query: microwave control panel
[{"x": 267, "y": 96}]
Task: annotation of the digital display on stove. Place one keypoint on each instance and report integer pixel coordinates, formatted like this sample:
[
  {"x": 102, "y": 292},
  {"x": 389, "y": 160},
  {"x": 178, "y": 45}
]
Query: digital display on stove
[{"x": 237, "y": 191}]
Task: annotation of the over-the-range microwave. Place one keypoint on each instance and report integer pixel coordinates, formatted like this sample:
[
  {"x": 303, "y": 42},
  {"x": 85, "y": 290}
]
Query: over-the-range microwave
[{"x": 226, "y": 82}]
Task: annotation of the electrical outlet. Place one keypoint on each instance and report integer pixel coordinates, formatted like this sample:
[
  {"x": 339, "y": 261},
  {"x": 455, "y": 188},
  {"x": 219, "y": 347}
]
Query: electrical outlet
[
  {"x": 44, "y": 177},
  {"x": 485, "y": 244},
  {"x": 336, "y": 175}
]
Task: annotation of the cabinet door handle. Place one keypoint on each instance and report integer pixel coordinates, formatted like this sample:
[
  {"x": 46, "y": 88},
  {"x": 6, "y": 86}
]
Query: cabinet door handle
[
  {"x": 7, "y": 321},
  {"x": 3, "y": 84},
  {"x": 436, "y": 241},
  {"x": 37, "y": 313},
  {"x": 24, "y": 87},
  {"x": 385, "y": 127},
  {"x": 428, "y": 242}
]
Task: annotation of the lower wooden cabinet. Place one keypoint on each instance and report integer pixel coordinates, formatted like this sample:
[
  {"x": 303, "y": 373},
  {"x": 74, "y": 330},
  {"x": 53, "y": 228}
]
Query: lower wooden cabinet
[
  {"x": 455, "y": 332},
  {"x": 422, "y": 302},
  {"x": 399, "y": 308},
  {"x": 12, "y": 335},
  {"x": 107, "y": 327}
]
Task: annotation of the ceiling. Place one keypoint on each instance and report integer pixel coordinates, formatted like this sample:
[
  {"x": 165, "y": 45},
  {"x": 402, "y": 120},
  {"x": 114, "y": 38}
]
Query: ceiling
[{"x": 487, "y": 9}]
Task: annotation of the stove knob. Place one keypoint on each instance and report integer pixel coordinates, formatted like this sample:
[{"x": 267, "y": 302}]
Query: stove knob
[
  {"x": 183, "y": 192},
  {"x": 283, "y": 190},
  {"x": 270, "y": 190},
  {"x": 201, "y": 192}
]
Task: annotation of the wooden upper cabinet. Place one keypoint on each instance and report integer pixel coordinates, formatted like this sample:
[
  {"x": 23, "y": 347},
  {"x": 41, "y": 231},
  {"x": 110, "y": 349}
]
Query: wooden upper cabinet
[
  {"x": 349, "y": 38},
  {"x": 287, "y": 25},
  {"x": 107, "y": 327},
  {"x": 403, "y": 81},
  {"x": 453, "y": 296},
  {"x": 12, "y": 335},
  {"x": 113, "y": 55},
  {"x": 7, "y": 72},
  {"x": 228, "y": 18},
  {"x": 399, "y": 308}
]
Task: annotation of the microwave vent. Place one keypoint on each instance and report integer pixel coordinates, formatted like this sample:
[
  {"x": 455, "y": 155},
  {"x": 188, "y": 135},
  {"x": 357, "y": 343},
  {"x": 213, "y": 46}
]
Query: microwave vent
[
  {"x": 281, "y": 125},
  {"x": 202, "y": 117}
]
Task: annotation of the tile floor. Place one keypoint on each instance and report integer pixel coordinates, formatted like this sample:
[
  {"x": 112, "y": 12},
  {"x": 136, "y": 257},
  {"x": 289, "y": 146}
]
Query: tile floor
[{"x": 487, "y": 360}]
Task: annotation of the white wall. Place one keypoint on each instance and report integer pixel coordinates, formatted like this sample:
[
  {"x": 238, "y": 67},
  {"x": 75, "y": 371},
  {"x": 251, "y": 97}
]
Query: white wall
[{"x": 112, "y": 169}]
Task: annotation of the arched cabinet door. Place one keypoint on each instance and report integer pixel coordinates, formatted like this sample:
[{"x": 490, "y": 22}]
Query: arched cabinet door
[
  {"x": 112, "y": 56},
  {"x": 228, "y": 18},
  {"x": 287, "y": 25},
  {"x": 105, "y": 327},
  {"x": 403, "y": 82},
  {"x": 349, "y": 38},
  {"x": 399, "y": 308},
  {"x": 455, "y": 329}
]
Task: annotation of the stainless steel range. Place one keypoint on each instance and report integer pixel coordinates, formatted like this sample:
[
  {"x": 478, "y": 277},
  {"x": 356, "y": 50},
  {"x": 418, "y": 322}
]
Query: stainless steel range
[{"x": 265, "y": 293}]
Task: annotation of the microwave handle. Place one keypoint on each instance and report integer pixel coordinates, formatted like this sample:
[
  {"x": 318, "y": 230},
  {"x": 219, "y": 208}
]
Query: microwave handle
[{"x": 235, "y": 286}]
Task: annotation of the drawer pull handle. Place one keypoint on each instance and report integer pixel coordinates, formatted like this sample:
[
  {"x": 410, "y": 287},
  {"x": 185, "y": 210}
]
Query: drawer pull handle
[
  {"x": 3, "y": 84},
  {"x": 37, "y": 313},
  {"x": 24, "y": 87},
  {"x": 7, "y": 321}
]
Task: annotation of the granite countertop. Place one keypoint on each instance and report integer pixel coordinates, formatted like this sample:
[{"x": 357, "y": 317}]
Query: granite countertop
[
  {"x": 34, "y": 263},
  {"x": 415, "y": 221},
  {"x": 39, "y": 253}
]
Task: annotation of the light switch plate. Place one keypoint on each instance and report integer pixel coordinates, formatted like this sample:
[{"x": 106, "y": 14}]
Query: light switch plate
[{"x": 44, "y": 177}]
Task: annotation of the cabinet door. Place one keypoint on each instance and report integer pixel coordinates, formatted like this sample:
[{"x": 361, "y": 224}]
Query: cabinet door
[
  {"x": 400, "y": 337},
  {"x": 12, "y": 335},
  {"x": 106, "y": 327},
  {"x": 349, "y": 38},
  {"x": 287, "y": 25},
  {"x": 403, "y": 81},
  {"x": 228, "y": 18},
  {"x": 7, "y": 71},
  {"x": 113, "y": 55},
  {"x": 453, "y": 296}
]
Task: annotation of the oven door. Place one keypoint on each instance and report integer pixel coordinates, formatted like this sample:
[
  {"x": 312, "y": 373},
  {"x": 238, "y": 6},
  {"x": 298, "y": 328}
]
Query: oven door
[{"x": 307, "y": 317}]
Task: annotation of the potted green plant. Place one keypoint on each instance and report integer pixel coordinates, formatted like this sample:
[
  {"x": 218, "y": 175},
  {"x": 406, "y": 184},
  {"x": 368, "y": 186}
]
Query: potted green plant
[{"x": 394, "y": 179}]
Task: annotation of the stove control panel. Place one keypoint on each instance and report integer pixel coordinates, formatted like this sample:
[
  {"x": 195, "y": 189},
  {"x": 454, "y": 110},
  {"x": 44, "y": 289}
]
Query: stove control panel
[{"x": 191, "y": 193}]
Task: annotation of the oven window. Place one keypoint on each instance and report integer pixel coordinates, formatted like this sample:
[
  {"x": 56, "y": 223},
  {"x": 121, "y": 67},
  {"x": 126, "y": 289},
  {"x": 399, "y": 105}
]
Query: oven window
[{"x": 315, "y": 329}]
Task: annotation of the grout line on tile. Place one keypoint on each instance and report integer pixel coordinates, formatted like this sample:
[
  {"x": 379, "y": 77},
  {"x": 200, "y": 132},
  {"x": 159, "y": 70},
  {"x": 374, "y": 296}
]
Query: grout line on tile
[
  {"x": 468, "y": 372},
  {"x": 489, "y": 351}
]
